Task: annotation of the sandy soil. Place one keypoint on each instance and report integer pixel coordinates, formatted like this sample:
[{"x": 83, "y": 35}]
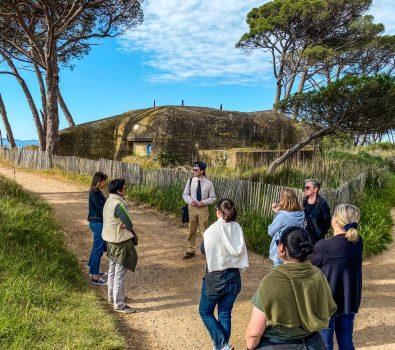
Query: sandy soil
[{"x": 165, "y": 288}]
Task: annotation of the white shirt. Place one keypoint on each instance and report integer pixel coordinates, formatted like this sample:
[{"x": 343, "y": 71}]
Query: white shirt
[{"x": 207, "y": 188}]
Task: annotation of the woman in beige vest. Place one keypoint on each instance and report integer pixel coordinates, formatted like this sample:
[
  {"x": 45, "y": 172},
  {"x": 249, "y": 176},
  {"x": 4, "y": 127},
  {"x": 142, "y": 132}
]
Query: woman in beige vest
[{"x": 117, "y": 232}]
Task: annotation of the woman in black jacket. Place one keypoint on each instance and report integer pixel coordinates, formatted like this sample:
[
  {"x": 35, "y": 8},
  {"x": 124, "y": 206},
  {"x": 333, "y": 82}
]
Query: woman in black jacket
[
  {"x": 340, "y": 259},
  {"x": 316, "y": 210},
  {"x": 95, "y": 218}
]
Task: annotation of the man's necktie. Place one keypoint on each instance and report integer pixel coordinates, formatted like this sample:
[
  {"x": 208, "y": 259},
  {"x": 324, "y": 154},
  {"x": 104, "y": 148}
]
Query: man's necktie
[{"x": 199, "y": 192}]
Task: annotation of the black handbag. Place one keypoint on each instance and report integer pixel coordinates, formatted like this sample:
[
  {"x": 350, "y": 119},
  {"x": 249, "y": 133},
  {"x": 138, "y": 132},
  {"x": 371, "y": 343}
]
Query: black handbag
[
  {"x": 135, "y": 238},
  {"x": 184, "y": 209},
  {"x": 184, "y": 214}
]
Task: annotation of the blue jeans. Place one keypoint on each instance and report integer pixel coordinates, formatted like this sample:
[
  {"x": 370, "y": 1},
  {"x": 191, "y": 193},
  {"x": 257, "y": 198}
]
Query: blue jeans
[
  {"x": 342, "y": 325},
  {"x": 219, "y": 329},
  {"x": 97, "y": 248}
]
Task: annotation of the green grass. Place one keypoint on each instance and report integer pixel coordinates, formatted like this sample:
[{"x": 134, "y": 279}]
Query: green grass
[
  {"x": 376, "y": 224},
  {"x": 332, "y": 168},
  {"x": 45, "y": 302}
]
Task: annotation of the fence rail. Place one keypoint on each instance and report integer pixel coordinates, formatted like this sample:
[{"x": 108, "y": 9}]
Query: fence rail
[{"x": 254, "y": 196}]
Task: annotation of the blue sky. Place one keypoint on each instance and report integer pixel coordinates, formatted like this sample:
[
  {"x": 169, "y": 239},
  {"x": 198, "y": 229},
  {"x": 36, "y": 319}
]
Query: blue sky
[{"x": 184, "y": 50}]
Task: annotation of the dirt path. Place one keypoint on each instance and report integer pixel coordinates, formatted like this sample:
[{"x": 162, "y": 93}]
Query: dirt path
[{"x": 166, "y": 289}]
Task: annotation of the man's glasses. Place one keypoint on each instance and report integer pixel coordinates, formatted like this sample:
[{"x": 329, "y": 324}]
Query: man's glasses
[
  {"x": 306, "y": 188},
  {"x": 196, "y": 169}
]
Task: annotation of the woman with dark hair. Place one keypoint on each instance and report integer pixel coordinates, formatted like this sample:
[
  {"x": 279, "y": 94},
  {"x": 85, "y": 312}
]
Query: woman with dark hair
[
  {"x": 340, "y": 259},
  {"x": 293, "y": 302},
  {"x": 121, "y": 240},
  {"x": 226, "y": 253},
  {"x": 95, "y": 218}
]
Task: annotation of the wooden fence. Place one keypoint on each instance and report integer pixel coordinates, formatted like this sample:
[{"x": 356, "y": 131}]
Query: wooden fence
[{"x": 254, "y": 196}]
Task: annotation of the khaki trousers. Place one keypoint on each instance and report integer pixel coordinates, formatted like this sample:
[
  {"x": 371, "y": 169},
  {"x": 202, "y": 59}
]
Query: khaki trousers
[{"x": 198, "y": 217}]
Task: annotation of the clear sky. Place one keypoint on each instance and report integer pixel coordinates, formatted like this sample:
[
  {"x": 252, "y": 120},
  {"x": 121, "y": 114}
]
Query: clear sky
[{"x": 183, "y": 51}]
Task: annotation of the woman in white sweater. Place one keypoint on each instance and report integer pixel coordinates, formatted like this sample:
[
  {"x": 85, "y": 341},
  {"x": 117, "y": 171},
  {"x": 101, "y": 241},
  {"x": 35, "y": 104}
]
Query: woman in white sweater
[{"x": 226, "y": 253}]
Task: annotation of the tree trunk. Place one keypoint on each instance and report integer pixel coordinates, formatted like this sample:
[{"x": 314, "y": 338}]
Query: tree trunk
[
  {"x": 7, "y": 126},
  {"x": 28, "y": 95},
  {"x": 278, "y": 92},
  {"x": 43, "y": 111},
  {"x": 65, "y": 110},
  {"x": 289, "y": 153},
  {"x": 52, "y": 83}
]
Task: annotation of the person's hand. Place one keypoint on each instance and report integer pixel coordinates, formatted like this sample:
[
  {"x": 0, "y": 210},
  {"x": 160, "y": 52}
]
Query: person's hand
[
  {"x": 199, "y": 204},
  {"x": 123, "y": 226},
  {"x": 194, "y": 203},
  {"x": 275, "y": 207}
]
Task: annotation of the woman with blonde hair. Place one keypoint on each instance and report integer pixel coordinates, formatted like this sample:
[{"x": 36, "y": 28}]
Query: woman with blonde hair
[
  {"x": 288, "y": 213},
  {"x": 340, "y": 259}
]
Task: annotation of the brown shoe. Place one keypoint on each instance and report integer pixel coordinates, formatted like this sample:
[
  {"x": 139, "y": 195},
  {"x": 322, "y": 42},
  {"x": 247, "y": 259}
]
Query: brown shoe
[{"x": 188, "y": 255}]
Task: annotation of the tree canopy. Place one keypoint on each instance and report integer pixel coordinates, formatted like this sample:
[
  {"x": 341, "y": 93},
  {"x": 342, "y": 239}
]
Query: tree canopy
[
  {"x": 52, "y": 33},
  {"x": 308, "y": 38}
]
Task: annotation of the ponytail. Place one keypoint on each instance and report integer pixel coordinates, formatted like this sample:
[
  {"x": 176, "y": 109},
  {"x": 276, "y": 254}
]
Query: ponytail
[
  {"x": 348, "y": 216},
  {"x": 227, "y": 209}
]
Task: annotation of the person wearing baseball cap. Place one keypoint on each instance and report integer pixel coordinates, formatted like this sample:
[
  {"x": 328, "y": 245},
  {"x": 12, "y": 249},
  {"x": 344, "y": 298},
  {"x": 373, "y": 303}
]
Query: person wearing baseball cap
[{"x": 198, "y": 194}]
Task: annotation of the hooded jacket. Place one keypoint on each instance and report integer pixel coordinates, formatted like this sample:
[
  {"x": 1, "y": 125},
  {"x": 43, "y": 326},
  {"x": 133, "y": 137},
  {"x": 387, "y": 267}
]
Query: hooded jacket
[
  {"x": 296, "y": 300},
  {"x": 225, "y": 246},
  {"x": 281, "y": 221}
]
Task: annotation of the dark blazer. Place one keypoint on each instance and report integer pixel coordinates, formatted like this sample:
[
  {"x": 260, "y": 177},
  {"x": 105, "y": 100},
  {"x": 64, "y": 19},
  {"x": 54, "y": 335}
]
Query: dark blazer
[
  {"x": 96, "y": 204},
  {"x": 341, "y": 262},
  {"x": 320, "y": 218}
]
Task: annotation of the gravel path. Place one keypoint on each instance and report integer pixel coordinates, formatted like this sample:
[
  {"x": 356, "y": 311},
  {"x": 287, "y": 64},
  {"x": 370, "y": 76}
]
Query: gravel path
[{"x": 165, "y": 289}]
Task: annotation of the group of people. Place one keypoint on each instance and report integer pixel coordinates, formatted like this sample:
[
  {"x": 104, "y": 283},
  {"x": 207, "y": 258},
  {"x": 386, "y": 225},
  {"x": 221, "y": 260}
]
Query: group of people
[
  {"x": 312, "y": 292},
  {"x": 113, "y": 232}
]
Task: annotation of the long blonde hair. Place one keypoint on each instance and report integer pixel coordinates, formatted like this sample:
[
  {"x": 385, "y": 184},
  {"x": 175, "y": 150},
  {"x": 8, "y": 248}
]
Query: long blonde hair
[
  {"x": 348, "y": 215},
  {"x": 289, "y": 201}
]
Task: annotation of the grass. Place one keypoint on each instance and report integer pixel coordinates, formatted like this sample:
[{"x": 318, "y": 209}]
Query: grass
[
  {"x": 332, "y": 168},
  {"x": 45, "y": 302},
  {"x": 376, "y": 222}
]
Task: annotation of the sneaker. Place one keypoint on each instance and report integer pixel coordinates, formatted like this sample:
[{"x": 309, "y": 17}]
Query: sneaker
[
  {"x": 188, "y": 255},
  {"x": 126, "y": 309},
  {"x": 99, "y": 281},
  {"x": 101, "y": 274}
]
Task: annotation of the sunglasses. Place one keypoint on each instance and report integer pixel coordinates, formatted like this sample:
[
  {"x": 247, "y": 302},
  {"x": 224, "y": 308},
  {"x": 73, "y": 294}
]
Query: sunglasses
[
  {"x": 306, "y": 188},
  {"x": 277, "y": 242},
  {"x": 196, "y": 169}
]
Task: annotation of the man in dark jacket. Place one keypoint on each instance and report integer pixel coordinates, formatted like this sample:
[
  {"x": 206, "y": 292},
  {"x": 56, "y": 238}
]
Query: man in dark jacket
[{"x": 317, "y": 212}]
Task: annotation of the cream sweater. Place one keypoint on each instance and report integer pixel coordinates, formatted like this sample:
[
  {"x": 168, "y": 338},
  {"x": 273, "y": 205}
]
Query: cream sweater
[{"x": 225, "y": 246}]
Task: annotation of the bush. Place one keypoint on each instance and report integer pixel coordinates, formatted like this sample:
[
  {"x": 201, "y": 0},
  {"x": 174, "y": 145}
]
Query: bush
[
  {"x": 376, "y": 223},
  {"x": 167, "y": 159}
]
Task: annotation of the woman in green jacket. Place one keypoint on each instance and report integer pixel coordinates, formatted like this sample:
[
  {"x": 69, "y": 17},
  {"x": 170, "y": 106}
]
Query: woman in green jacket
[{"x": 293, "y": 302}]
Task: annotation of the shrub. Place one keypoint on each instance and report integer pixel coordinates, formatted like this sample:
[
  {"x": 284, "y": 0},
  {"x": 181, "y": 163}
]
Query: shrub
[
  {"x": 167, "y": 159},
  {"x": 376, "y": 223}
]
